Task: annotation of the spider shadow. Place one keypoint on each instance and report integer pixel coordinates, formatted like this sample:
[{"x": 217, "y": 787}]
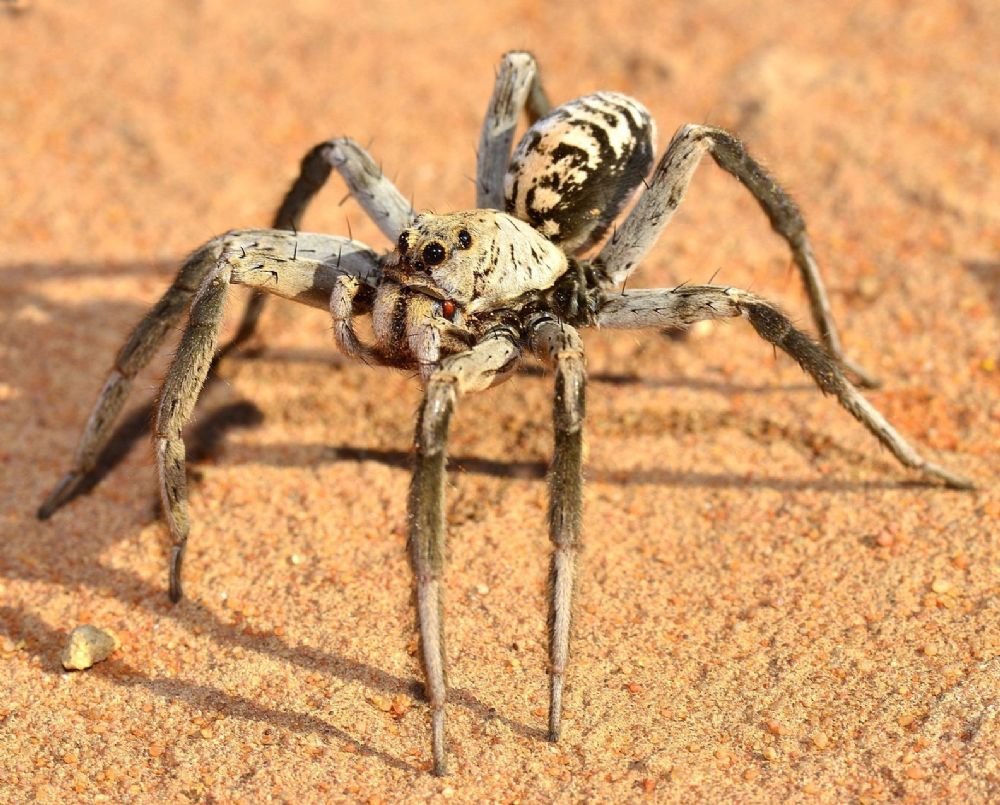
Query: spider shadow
[
  {"x": 538, "y": 470},
  {"x": 534, "y": 370},
  {"x": 205, "y": 438},
  {"x": 988, "y": 273},
  {"x": 131, "y": 589},
  {"x": 693, "y": 383},
  {"x": 201, "y": 697}
]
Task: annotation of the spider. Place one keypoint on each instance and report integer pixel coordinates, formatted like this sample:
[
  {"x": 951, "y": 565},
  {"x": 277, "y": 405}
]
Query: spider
[{"x": 462, "y": 296}]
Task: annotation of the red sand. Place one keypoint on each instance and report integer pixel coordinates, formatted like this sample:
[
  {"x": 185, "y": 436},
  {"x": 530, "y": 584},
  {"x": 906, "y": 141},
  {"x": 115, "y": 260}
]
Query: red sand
[{"x": 770, "y": 609}]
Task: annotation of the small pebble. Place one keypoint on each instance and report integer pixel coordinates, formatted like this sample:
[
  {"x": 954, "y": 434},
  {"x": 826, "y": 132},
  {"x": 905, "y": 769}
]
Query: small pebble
[
  {"x": 941, "y": 586},
  {"x": 701, "y": 330},
  {"x": 820, "y": 740},
  {"x": 88, "y": 645}
]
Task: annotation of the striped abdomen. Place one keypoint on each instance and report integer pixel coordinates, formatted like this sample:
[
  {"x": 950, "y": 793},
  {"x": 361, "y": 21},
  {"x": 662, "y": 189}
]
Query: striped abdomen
[{"x": 576, "y": 168}]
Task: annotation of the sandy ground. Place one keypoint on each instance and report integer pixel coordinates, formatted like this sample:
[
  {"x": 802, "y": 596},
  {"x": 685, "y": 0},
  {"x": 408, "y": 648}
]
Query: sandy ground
[{"x": 770, "y": 608}]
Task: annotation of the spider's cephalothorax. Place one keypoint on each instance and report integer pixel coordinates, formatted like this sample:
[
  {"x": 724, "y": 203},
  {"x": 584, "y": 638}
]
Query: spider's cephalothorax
[
  {"x": 453, "y": 277},
  {"x": 464, "y": 295}
]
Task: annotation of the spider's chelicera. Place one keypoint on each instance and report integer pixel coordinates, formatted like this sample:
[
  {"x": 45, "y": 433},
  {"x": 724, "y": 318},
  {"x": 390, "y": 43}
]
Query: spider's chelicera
[{"x": 462, "y": 297}]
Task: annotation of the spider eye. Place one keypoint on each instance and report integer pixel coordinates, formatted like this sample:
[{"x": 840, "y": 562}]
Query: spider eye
[
  {"x": 403, "y": 243},
  {"x": 434, "y": 253},
  {"x": 464, "y": 239},
  {"x": 448, "y": 309}
]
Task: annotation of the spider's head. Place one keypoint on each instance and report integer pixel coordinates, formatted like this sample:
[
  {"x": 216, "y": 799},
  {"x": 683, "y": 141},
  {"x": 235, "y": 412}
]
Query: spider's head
[
  {"x": 476, "y": 259},
  {"x": 434, "y": 253}
]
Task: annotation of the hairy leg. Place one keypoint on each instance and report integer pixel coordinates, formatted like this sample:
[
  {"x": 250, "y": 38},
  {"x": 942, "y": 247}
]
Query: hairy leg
[
  {"x": 380, "y": 199},
  {"x": 560, "y": 346},
  {"x": 518, "y": 86},
  {"x": 486, "y": 363},
  {"x": 302, "y": 267},
  {"x": 680, "y": 307},
  {"x": 640, "y": 230},
  {"x": 142, "y": 344}
]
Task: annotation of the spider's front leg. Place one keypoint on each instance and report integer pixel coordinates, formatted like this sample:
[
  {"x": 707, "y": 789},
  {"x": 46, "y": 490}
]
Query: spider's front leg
[
  {"x": 142, "y": 344},
  {"x": 637, "y": 234},
  {"x": 560, "y": 346},
  {"x": 518, "y": 86},
  {"x": 480, "y": 367},
  {"x": 681, "y": 307},
  {"x": 303, "y": 268},
  {"x": 378, "y": 197}
]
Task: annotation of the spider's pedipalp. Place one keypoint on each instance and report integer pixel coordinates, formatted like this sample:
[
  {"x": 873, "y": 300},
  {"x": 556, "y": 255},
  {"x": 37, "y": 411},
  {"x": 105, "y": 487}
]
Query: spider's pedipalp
[
  {"x": 681, "y": 307},
  {"x": 518, "y": 86},
  {"x": 622, "y": 254},
  {"x": 559, "y": 345}
]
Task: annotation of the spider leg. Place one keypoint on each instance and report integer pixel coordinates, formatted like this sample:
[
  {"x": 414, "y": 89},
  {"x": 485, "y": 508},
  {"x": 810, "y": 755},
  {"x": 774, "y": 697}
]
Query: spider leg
[
  {"x": 474, "y": 370},
  {"x": 518, "y": 86},
  {"x": 559, "y": 345},
  {"x": 378, "y": 196},
  {"x": 303, "y": 268},
  {"x": 142, "y": 344},
  {"x": 623, "y": 252},
  {"x": 680, "y": 307}
]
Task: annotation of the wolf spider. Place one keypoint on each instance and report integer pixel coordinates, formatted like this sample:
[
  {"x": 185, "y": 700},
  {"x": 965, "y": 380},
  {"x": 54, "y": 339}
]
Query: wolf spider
[{"x": 463, "y": 295}]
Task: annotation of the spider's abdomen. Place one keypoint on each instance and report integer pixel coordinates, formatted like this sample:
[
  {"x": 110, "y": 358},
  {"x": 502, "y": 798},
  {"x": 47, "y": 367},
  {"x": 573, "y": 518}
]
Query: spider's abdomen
[{"x": 576, "y": 168}]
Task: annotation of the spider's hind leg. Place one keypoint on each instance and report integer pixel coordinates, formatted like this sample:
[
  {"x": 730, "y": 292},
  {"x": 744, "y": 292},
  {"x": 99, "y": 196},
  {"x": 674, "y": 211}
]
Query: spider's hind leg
[{"x": 623, "y": 252}]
